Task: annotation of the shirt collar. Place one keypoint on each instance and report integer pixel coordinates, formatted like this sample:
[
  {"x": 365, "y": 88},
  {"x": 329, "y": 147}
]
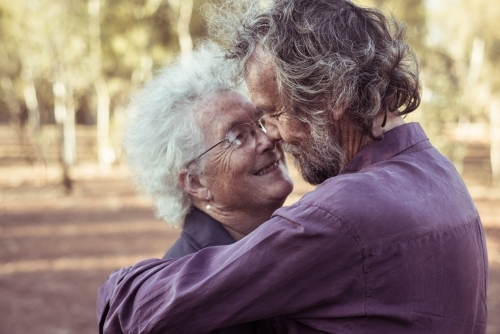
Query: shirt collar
[
  {"x": 393, "y": 143},
  {"x": 205, "y": 230}
]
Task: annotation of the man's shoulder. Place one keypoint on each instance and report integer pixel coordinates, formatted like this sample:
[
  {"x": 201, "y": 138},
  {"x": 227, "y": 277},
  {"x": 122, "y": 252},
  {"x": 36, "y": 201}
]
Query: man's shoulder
[
  {"x": 331, "y": 200},
  {"x": 387, "y": 183},
  {"x": 343, "y": 191},
  {"x": 397, "y": 199}
]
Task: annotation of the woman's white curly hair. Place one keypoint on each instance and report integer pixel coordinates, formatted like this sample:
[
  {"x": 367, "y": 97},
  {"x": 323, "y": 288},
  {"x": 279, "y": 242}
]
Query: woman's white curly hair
[{"x": 161, "y": 135}]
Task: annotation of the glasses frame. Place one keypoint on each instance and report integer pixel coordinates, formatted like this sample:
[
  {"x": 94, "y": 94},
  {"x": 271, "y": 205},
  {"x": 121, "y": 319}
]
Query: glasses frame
[{"x": 260, "y": 123}]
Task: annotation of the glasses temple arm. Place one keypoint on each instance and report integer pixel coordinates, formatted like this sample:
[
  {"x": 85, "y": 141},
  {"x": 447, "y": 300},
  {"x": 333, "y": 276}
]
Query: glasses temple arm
[{"x": 189, "y": 163}]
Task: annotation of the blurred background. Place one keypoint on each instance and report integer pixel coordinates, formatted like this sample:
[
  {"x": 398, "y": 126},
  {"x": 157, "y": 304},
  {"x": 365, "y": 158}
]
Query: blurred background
[{"x": 68, "y": 212}]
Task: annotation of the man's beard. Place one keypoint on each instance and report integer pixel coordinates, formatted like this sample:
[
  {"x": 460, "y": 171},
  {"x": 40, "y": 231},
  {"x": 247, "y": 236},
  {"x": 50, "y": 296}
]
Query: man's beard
[{"x": 319, "y": 158}]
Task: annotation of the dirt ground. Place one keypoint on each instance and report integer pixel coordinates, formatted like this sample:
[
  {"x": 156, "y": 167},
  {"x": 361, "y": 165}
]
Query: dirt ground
[{"x": 56, "y": 250}]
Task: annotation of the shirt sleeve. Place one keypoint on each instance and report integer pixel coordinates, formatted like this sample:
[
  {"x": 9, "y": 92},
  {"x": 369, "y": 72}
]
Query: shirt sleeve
[{"x": 275, "y": 270}]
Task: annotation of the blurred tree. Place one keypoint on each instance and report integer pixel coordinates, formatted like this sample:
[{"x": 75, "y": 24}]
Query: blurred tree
[
  {"x": 105, "y": 151},
  {"x": 458, "y": 44},
  {"x": 185, "y": 10},
  {"x": 86, "y": 57},
  {"x": 9, "y": 66},
  {"x": 471, "y": 37},
  {"x": 18, "y": 78},
  {"x": 487, "y": 28},
  {"x": 70, "y": 70},
  {"x": 51, "y": 61}
]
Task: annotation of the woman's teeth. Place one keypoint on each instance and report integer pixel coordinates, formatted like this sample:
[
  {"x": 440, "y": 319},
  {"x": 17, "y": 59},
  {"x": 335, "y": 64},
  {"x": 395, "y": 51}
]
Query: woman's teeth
[{"x": 268, "y": 169}]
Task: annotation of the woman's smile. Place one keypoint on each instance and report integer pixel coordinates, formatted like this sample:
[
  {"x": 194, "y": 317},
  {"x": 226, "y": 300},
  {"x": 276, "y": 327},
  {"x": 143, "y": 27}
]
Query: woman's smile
[{"x": 268, "y": 169}]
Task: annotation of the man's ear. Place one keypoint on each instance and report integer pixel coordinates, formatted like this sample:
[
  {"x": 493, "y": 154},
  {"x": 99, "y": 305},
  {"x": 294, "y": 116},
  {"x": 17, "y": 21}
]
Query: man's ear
[
  {"x": 193, "y": 184},
  {"x": 337, "y": 114}
]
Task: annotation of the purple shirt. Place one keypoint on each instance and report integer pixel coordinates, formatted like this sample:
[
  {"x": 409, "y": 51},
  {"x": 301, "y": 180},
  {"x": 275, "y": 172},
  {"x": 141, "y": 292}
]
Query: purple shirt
[
  {"x": 201, "y": 231},
  {"x": 394, "y": 244}
]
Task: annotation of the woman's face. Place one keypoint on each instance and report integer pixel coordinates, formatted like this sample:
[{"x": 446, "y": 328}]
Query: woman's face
[{"x": 251, "y": 177}]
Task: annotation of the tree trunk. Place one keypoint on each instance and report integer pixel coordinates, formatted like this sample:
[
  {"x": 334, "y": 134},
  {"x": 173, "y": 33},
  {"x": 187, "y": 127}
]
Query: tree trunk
[
  {"x": 29, "y": 91},
  {"x": 495, "y": 140},
  {"x": 105, "y": 151},
  {"x": 185, "y": 40},
  {"x": 33, "y": 129},
  {"x": 64, "y": 113},
  {"x": 69, "y": 130},
  {"x": 10, "y": 98},
  {"x": 469, "y": 101}
]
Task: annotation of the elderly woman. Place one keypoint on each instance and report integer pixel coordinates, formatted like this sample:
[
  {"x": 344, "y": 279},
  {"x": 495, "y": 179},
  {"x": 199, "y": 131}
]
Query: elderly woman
[{"x": 198, "y": 146}]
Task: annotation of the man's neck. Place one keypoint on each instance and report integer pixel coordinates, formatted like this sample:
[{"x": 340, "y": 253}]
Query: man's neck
[
  {"x": 392, "y": 122},
  {"x": 354, "y": 140}
]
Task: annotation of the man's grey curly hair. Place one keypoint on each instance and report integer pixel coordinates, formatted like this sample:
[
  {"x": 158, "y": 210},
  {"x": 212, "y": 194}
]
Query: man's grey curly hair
[
  {"x": 162, "y": 136},
  {"x": 329, "y": 53}
]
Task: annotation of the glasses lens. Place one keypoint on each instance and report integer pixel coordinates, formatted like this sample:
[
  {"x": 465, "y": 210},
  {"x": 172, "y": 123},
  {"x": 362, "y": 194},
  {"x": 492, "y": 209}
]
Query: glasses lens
[
  {"x": 239, "y": 135},
  {"x": 242, "y": 134},
  {"x": 261, "y": 123}
]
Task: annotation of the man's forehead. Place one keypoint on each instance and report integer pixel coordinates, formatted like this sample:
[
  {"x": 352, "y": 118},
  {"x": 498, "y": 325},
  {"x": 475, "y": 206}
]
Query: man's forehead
[
  {"x": 261, "y": 81},
  {"x": 260, "y": 63}
]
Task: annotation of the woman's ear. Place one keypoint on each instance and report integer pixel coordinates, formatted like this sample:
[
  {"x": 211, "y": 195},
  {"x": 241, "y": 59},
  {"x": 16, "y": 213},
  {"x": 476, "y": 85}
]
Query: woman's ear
[{"x": 193, "y": 184}]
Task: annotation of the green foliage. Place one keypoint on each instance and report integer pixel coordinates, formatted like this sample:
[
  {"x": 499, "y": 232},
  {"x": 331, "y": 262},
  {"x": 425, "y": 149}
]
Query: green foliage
[
  {"x": 442, "y": 33},
  {"x": 135, "y": 38},
  {"x": 52, "y": 39}
]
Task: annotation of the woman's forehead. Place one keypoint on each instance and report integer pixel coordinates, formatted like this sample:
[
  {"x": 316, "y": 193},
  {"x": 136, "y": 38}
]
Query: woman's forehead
[{"x": 225, "y": 110}]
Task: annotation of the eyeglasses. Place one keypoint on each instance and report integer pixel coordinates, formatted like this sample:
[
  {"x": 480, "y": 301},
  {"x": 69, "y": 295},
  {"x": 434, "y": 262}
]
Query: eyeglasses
[{"x": 239, "y": 136}]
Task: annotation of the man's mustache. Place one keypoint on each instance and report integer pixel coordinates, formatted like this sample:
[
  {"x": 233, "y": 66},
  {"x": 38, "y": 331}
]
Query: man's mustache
[{"x": 289, "y": 148}]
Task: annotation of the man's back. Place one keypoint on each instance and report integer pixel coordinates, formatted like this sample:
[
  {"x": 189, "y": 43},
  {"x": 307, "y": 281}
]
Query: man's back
[{"x": 416, "y": 261}]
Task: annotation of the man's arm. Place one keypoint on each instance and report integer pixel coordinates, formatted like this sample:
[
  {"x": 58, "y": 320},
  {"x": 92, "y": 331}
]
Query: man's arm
[{"x": 273, "y": 271}]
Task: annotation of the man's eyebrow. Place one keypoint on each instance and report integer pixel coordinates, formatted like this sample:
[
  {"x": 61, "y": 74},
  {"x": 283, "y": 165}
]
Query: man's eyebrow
[
  {"x": 264, "y": 108},
  {"x": 258, "y": 112}
]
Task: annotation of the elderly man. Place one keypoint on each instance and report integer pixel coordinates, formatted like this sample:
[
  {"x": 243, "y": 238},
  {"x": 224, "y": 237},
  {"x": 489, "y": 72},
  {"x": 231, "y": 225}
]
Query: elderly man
[{"x": 389, "y": 242}]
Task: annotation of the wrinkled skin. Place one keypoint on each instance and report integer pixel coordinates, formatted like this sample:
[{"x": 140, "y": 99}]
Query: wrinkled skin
[{"x": 244, "y": 186}]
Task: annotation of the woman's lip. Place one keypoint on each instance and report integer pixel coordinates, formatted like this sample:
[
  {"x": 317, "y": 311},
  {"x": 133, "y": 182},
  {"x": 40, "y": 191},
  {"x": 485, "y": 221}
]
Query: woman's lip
[{"x": 268, "y": 169}]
